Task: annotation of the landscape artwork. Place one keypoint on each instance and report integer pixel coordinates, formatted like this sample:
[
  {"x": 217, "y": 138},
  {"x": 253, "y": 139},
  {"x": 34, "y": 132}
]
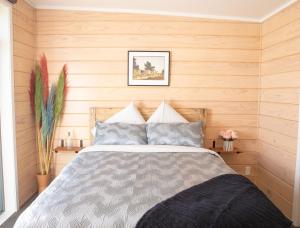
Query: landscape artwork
[{"x": 148, "y": 68}]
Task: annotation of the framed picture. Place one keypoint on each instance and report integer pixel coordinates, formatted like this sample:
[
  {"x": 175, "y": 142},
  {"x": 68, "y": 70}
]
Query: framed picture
[{"x": 148, "y": 68}]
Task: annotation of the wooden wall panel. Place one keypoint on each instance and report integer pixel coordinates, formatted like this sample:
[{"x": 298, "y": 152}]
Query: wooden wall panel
[
  {"x": 214, "y": 65},
  {"x": 186, "y": 81},
  {"x": 282, "y": 18},
  {"x": 279, "y": 99},
  {"x": 139, "y": 41},
  {"x": 23, "y": 57},
  {"x": 178, "y": 54},
  {"x": 146, "y": 28},
  {"x": 180, "y": 67}
]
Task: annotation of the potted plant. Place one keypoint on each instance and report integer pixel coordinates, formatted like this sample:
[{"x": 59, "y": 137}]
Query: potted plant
[
  {"x": 47, "y": 107},
  {"x": 228, "y": 137}
]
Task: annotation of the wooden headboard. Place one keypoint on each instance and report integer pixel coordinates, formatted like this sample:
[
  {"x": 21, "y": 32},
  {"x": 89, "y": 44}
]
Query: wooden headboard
[{"x": 102, "y": 114}]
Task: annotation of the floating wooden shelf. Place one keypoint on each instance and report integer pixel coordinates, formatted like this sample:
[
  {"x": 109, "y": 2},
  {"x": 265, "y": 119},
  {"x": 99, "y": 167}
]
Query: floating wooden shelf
[
  {"x": 75, "y": 149},
  {"x": 220, "y": 150}
]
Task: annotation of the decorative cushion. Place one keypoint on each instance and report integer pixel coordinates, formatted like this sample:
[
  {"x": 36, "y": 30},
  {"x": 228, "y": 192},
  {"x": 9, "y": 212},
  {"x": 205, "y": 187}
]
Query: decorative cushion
[
  {"x": 120, "y": 134},
  {"x": 166, "y": 114},
  {"x": 180, "y": 134},
  {"x": 130, "y": 115}
]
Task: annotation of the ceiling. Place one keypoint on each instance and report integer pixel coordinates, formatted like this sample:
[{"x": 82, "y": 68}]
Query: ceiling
[{"x": 246, "y": 10}]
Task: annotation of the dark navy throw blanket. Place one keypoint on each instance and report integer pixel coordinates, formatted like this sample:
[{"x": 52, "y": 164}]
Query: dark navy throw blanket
[{"x": 227, "y": 201}]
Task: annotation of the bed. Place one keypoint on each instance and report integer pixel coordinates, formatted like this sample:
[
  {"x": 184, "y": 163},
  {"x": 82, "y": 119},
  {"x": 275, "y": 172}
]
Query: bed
[{"x": 115, "y": 185}]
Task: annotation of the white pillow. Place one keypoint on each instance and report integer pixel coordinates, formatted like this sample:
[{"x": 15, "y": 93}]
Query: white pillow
[
  {"x": 166, "y": 114},
  {"x": 129, "y": 115}
]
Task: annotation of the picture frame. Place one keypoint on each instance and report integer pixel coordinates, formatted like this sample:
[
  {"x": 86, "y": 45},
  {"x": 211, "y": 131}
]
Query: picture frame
[{"x": 148, "y": 68}]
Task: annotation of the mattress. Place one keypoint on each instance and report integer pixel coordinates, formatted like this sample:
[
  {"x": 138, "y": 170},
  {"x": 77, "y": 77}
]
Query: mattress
[{"x": 113, "y": 186}]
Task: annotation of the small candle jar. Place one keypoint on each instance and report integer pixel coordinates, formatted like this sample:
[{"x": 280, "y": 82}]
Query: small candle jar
[
  {"x": 61, "y": 142},
  {"x": 228, "y": 145},
  {"x": 69, "y": 140}
]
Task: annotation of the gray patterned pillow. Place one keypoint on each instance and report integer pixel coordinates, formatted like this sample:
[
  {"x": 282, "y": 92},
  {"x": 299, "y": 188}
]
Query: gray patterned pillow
[
  {"x": 120, "y": 134},
  {"x": 179, "y": 134}
]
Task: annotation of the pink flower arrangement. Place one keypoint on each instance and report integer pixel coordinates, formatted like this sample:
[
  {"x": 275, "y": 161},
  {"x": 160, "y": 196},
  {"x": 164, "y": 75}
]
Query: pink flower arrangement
[{"x": 228, "y": 135}]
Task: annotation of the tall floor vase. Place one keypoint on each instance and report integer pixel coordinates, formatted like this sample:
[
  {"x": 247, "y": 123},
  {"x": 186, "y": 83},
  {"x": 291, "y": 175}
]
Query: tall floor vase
[{"x": 43, "y": 181}]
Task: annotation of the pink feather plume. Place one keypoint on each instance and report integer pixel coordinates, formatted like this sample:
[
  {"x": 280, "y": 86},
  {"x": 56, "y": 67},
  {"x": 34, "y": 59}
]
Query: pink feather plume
[{"x": 45, "y": 78}]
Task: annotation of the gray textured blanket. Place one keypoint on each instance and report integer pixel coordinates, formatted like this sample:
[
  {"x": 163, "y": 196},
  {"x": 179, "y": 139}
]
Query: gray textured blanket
[{"x": 114, "y": 189}]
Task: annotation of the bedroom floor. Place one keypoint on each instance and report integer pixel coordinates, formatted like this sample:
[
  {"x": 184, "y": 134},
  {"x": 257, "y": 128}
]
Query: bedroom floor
[{"x": 11, "y": 221}]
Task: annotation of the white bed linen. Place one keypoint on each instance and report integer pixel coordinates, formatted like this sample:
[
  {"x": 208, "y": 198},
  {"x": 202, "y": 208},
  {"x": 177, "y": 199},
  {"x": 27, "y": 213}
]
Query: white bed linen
[
  {"x": 148, "y": 148},
  {"x": 114, "y": 185}
]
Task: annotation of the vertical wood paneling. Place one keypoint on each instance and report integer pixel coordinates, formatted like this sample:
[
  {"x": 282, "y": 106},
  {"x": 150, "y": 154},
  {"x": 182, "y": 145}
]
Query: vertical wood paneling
[
  {"x": 278, "y": 119},
  {"x": 23, "y": 57}
]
